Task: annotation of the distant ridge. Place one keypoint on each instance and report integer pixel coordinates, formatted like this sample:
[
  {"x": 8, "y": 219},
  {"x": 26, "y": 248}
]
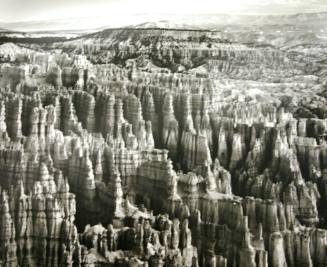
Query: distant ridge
[{"x": 166, "y": 24}]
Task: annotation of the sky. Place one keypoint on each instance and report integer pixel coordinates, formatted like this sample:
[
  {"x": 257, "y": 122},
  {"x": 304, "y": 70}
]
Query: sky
[{"x": 29, "y": 10}]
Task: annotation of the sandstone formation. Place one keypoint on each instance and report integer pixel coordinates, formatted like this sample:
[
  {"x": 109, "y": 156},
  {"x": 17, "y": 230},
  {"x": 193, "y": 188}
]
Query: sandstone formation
[{"x": 155, "y": 147}]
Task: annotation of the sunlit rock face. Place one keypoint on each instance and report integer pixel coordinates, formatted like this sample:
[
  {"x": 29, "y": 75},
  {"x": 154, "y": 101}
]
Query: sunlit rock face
[{"x": 157, "y": 147}]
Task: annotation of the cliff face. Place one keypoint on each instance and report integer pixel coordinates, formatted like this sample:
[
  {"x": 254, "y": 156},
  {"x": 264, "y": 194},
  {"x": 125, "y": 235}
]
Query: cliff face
[{"x": 195, "y": 151}]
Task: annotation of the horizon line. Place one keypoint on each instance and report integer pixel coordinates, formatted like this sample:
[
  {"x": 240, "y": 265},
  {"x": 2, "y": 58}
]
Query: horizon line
[{"x": 172, "y": 14}]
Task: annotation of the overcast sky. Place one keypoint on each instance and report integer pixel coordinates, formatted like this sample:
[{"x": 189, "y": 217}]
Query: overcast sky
[{"x": 23, "y": 10}]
